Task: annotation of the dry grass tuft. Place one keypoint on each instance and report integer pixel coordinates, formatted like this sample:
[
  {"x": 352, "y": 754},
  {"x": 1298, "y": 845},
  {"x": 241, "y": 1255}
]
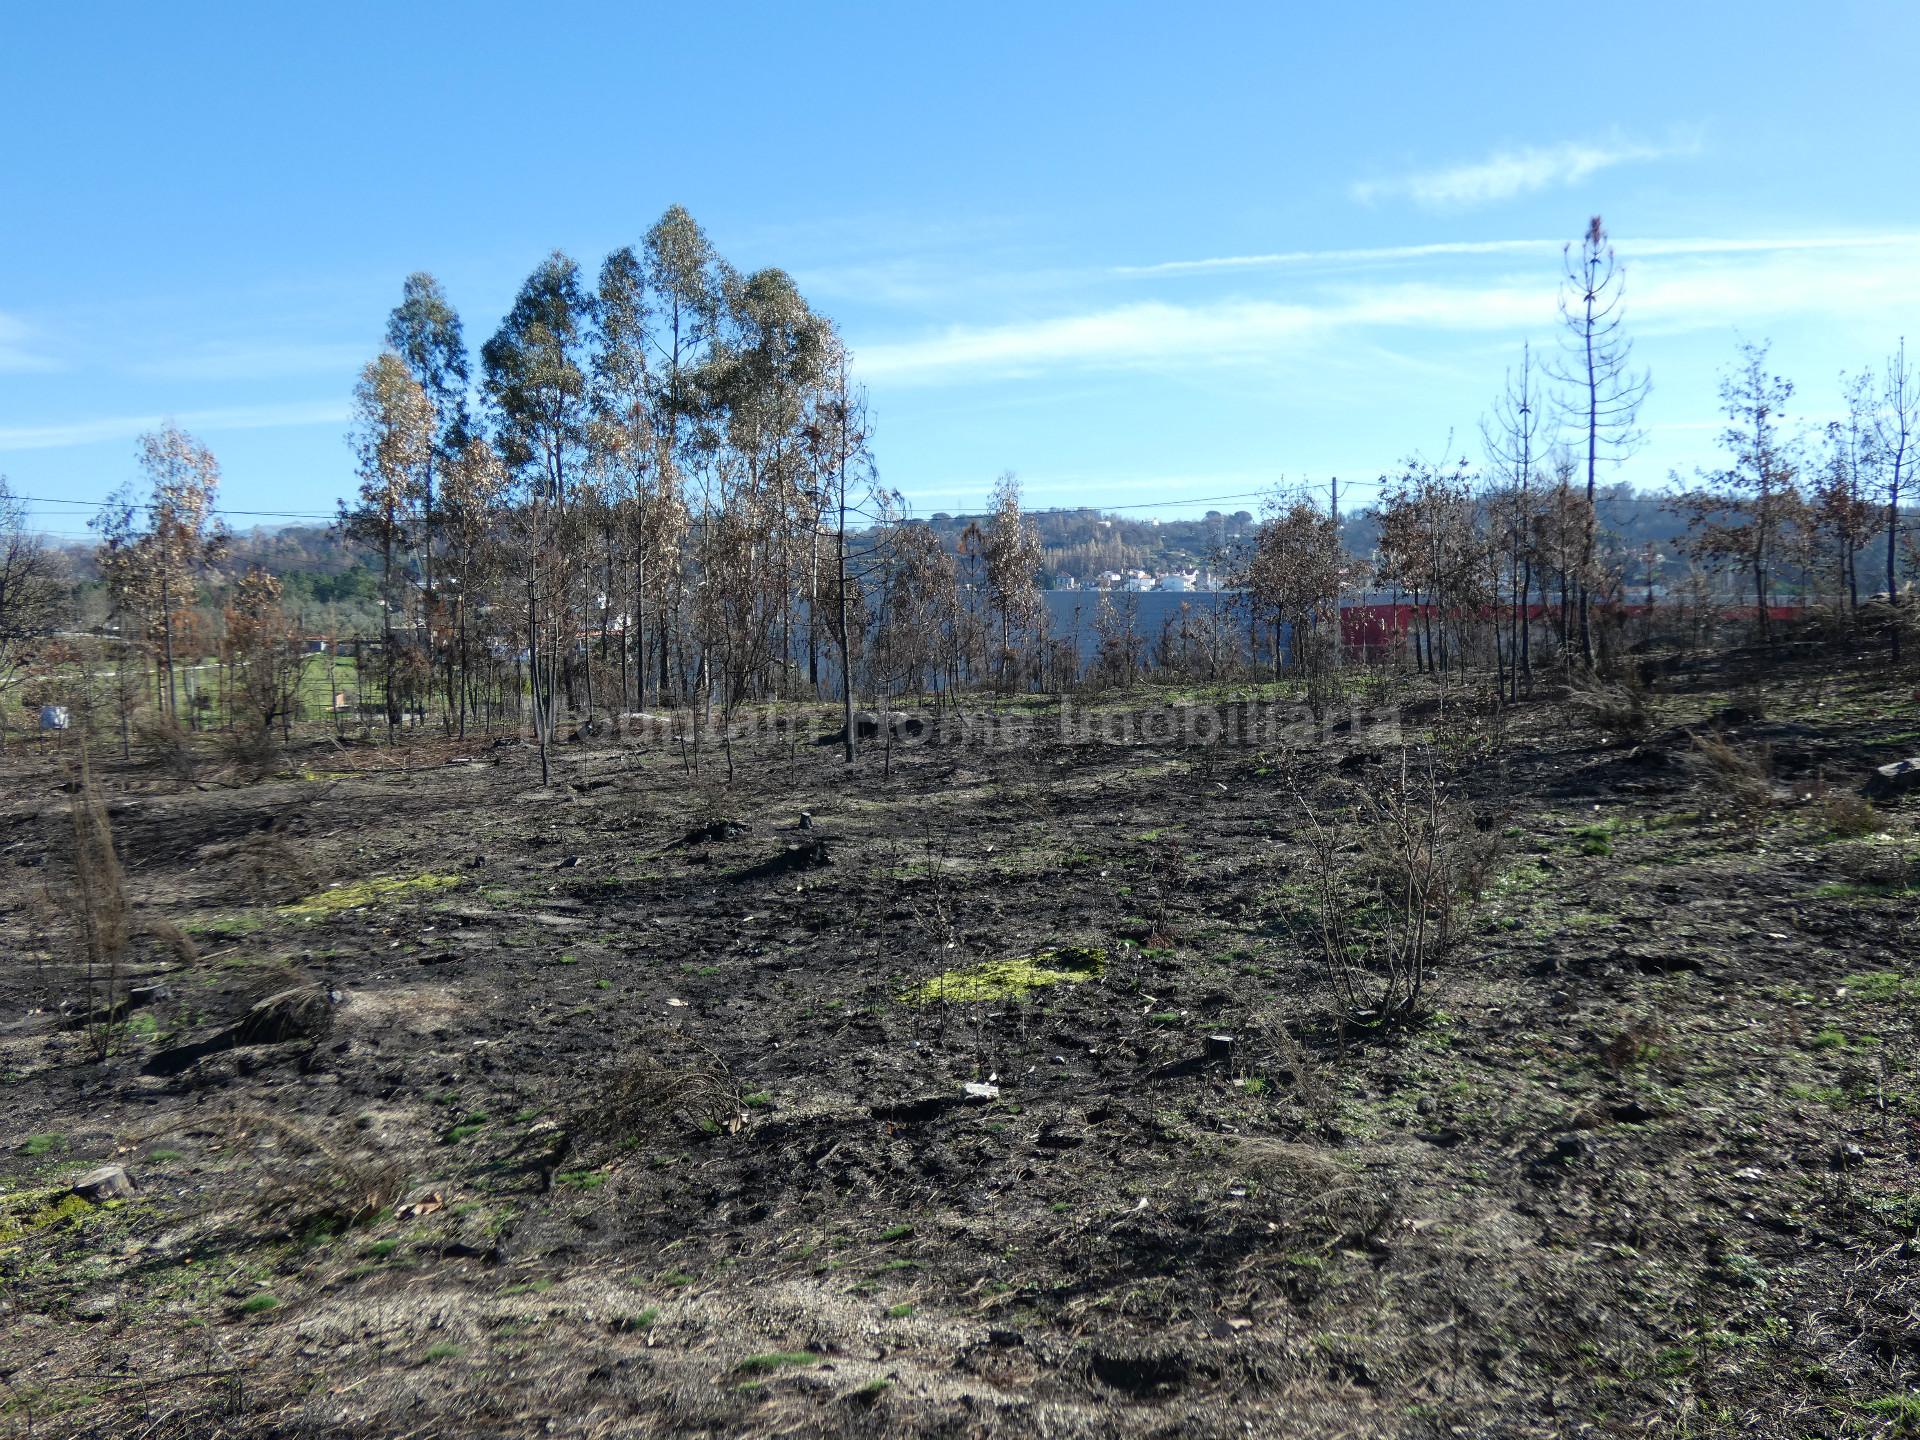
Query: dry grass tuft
[
  {"x": 278, "y": 870},
  {"x": 1624, "y": 711},
  {"x": 1850, "y": 816},
  {"x": 1743, "y": 777},
  {"x": 168, "y": 747},
  {"x": 304, "y": 1181},
  {"x": 641, "y": 1097}
]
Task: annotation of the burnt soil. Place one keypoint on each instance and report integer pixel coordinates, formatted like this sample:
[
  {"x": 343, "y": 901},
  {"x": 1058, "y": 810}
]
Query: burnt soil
[{"x": 622, "y": 1123}]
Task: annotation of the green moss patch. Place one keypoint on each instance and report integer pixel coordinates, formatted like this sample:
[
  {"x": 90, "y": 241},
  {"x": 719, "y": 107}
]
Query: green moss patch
[
  {"x": 1010, "y": 979},
  {"x": 1883, "y": 986},
  {"x": 27, "y": 1211},
  {"x": 366, "y": 892}
]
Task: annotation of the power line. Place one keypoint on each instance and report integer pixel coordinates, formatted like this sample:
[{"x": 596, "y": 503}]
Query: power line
[
  {"x": 1048, "y": 510},
  {"x": 1281, "y": 487},
  {"x": 214, "y": 510}
]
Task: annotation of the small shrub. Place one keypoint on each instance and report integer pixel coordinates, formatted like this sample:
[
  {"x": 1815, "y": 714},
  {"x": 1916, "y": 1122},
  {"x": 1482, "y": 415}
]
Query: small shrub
[
  {"x": 277, "y": 869},
  {"x": 1850, "y": 816},
  {"x": 1875, "y": 868},
  {"x": 1642, "y": 1043},
  {"x": 1596, "y": 840},
  {"x": 1744, "y": 778},
  {"x": 167, "y": 745},
  {"x": 683, "y": 1084},
  {"x": 308, "y": 1182},
  {"x": 467, "y": 1128},
  {"x": 1620, "y": 711},
  {"x": 1398, "y": 871}
]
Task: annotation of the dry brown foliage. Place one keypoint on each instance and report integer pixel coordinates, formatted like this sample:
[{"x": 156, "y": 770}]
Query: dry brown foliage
[
  {"x": 683, "y": 1084},
  {"x": 1623, "y": 711},
  {"x": 303, "y": 1178},
  {"x": 168, "y": 747},
  {"x": 95, "y": 907},
  {"x": 1850, "y": 816},
  {"x": 1744, "y": 777}
]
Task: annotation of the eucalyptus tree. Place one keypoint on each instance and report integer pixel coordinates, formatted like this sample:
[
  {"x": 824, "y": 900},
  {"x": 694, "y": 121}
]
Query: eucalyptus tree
[
  {"x": 1119, "y": 648},
  {"x": 534, "y": 377},
  {"x": 838, "y": 438},
  {"x": 772, "y": 358},
  {"x": 264, "y": 663},
  {"x": 424, "y": 331},
  {"x": 1012, "y": 554},
  {"x": 1560, "y": 531},
  {"x": 623, "y": 442},
  {"x": 919, "y": 611},
  {"x": 1596, "y": 366},
  {"x": 1432, "y": 546},
  {"x": 969, "y": 548},
  {"x": 680, "y": 265},
  {"x": 151, "y": 552},
  {"x": 684, "y": 276},
  {"x": 473, "y": 492},
  {"x": 392, "y": 436}
]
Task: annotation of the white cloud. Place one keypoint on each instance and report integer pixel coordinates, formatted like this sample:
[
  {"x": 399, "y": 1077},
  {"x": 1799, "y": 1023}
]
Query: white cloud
[
  {"x": 1158, "y": 333},
  {"x": 16, "y": 352},
  {"x": 1680, "y": 285},
  {"x": 1387, "y": 253},
  {"x": 1508, "y": 173},
  {"x": 126, "y": 427},
  {"x": 1392, "y": 254},
  {"x": 1692, "y": 292}
]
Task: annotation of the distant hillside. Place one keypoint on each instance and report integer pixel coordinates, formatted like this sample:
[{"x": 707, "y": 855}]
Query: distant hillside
[{"x": 331, "y": 587}]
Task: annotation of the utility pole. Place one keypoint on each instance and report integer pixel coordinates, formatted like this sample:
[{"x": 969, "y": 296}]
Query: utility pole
[{"x": 1339, "y": 600}]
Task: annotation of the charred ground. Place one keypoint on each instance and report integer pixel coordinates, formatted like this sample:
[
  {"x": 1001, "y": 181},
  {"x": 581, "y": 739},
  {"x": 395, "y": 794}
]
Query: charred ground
[{"x": 618, "y": 1111}]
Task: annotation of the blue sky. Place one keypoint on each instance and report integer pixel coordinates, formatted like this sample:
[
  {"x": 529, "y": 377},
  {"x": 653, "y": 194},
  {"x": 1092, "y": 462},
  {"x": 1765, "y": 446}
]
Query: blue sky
[{"x": 1136, "y": 254}]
